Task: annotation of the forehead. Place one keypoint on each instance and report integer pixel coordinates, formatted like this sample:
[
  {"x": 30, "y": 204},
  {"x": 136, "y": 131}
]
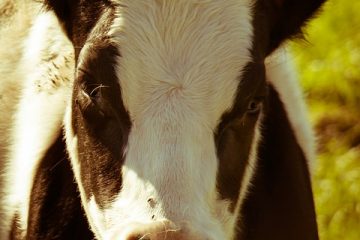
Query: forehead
[{"x": 189, "y": 53}]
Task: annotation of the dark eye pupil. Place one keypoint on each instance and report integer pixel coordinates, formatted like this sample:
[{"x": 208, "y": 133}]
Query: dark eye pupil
[{"x": 254, "y": 106}]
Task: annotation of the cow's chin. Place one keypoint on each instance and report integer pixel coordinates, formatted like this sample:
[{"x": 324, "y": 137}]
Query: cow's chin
[{"x": 111, "y": 224}]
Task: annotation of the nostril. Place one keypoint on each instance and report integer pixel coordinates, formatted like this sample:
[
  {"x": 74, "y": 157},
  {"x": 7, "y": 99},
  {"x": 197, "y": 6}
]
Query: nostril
[{"x": 151, "y": 202}]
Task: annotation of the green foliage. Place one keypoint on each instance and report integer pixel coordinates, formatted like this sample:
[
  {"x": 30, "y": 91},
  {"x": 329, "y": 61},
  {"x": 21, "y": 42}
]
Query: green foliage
[{"x": 329, "y": 64}]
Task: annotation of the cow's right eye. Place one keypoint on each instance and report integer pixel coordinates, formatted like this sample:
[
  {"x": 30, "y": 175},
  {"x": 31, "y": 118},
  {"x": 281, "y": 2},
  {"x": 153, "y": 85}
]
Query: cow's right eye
[{"x": 92, "y": 106}]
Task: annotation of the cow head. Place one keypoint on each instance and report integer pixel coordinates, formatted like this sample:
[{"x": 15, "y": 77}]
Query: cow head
[{"x": 167, "y": 107}]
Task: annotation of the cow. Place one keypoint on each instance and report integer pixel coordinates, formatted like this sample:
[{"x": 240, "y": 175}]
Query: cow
[{"x": 154, "y": 119}]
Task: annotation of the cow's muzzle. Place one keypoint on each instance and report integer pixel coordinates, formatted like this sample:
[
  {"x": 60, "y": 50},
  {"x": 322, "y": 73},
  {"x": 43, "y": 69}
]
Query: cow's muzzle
[{"x": 158, "y": 230}]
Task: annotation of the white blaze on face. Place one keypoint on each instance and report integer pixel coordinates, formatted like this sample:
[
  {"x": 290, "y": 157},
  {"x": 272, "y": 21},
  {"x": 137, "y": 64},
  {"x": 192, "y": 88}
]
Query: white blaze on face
[{"x": 179, "y": 70}]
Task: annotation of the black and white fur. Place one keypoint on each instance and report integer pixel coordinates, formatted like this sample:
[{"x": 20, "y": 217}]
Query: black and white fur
[{"x": 179, "y": 112}]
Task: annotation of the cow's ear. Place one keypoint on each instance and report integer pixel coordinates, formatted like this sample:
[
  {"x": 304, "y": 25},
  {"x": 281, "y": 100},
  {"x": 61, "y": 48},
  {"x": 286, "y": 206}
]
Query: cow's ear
[
  {"x": 287, "y": 17},
  {"x": 280, "y": 203}
]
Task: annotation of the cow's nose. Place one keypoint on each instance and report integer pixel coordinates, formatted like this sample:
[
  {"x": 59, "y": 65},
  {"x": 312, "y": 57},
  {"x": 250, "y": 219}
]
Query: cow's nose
[{"x": 159, "y": 230}]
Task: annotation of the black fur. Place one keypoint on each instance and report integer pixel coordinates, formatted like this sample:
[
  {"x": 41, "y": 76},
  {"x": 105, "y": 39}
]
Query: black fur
[
  {"x": 78, "y": 17},
  {"x": 287, "y": 17},
  {"x": 55, "y": 207},
  {"x": 280, "y": 203}
]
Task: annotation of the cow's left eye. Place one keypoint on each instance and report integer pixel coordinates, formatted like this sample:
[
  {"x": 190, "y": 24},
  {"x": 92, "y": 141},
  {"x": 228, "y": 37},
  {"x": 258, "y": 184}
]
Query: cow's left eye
[{"x": 254, "y": 106}]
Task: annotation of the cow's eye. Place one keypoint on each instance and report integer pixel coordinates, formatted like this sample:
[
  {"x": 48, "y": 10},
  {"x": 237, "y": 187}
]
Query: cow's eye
[
  {"x": 254, "y": 106},
  {"x": 91, "y": 104}
]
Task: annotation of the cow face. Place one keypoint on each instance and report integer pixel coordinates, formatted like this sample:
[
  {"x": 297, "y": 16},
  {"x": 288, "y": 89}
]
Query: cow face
[{"x": 166, "y": 111}]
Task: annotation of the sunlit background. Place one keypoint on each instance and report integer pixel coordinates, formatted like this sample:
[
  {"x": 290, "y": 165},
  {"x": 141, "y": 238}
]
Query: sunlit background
[{"x": 329, "y": 67}]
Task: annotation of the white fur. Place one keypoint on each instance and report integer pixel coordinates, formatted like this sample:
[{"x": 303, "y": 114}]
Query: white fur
[
  {"x": 252, "y": 161},
  {"x": 281, "y": 74},
  {"x": 39, "y": 116},
  {"x": 179, "y": 70},
  {"x": 14, "y": 28}
]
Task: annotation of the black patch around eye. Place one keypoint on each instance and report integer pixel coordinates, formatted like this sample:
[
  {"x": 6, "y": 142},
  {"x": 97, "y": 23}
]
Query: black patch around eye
[
  {"x": 98, "y": 94},
  {"x": 235, "y": 132},
  {"x": 100, "y": 122}
]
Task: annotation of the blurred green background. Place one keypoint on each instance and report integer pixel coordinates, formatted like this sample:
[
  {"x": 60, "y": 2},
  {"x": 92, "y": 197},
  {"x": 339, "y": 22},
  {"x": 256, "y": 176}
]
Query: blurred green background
[{"x": 329, "y": 67}]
